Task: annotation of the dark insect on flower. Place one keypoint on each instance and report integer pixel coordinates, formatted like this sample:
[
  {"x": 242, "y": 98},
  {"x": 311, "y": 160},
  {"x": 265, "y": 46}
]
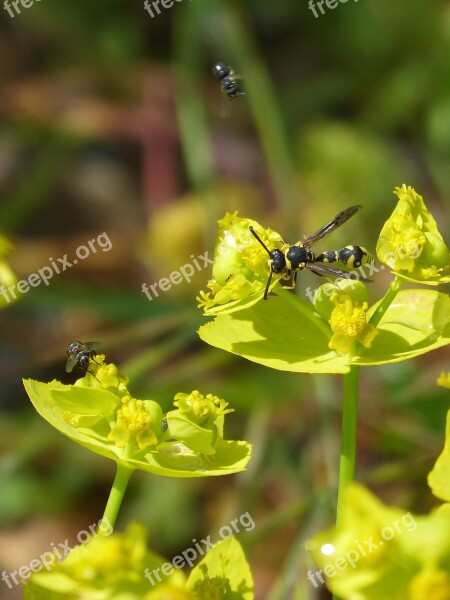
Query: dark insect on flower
[
  {"x": 227, "y": 79},
  {"x": 294, "y": 258},
  {"x": 79, "y": 355}
]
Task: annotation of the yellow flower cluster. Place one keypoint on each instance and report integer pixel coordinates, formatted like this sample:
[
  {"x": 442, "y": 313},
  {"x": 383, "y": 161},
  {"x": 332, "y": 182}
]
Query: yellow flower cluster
[
  {"x": 410, "y": 243},
  {"x": 349, "y": 324},
  {"x": 199, "y": 408},
  {"x": 134, "y": 423}
]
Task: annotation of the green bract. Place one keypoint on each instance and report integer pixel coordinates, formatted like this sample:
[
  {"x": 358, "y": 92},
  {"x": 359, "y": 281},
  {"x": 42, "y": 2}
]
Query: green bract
[
  {"x": 410, "y": 243},
  {"x": 379, "y": 552},
  {"x": 198, "y": 420},
  {"x": 119, "y": 567},
  {"x": 100, "y": 414},
  {"x": 223, "y": 574},
  {"x": 241, "y": 266},
  {"x": 439, "y": 477},
  {"x": 286, "y": 333}
]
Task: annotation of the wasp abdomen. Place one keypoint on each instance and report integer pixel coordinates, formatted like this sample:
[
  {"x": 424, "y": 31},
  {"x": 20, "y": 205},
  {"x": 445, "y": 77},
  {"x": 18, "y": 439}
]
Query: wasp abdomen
[
  {"x": 352, "y": 256},
  {"x": 328, "y": 257}
]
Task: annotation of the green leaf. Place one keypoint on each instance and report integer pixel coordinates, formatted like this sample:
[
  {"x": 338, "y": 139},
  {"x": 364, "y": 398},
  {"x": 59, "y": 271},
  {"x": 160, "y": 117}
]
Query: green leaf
[
  {"x": 223, "y": 573},
  {"x": 283, "y": 332},
  {"x": 199, "y": 439},
  {"x": 439, "y": 476},
  {"x": 46, "y": 397},
  {"x": 417, "y": 322},
  {"x": 174, "y": 459}
]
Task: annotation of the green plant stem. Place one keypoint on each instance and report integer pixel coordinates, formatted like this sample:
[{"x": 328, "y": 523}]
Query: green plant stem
[
  {"x": 394, "y": 288},
  {"x": 349, "y": 431},
  {"x": 349, "y": 435},
  {"x": 117, "y": 493},
  {"x": 350, "y": 408}
]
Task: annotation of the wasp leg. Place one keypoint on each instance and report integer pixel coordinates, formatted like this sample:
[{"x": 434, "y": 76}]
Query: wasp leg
[
  {"x": 290, "y": 280},
  {"x": 268, "y": 285},
  {"x": 316, "y": 272}
]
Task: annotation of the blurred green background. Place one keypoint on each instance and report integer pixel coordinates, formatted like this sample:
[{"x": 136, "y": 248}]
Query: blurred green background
[{"x": 112, "y": 122}]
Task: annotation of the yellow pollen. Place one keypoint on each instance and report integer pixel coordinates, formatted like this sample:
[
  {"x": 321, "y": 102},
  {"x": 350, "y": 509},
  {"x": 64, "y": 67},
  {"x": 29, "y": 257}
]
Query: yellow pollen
[
  {"x": 133, "y": 416},
  {"x": 348, "y": 319}
]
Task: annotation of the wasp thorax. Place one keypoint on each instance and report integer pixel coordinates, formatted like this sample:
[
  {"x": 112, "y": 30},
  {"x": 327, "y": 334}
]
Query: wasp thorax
[{"x": 297, "y": 257}]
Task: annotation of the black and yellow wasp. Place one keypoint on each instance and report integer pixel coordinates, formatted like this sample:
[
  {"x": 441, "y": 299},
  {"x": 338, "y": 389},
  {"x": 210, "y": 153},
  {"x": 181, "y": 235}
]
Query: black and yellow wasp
[{"x": 291, "y": 259}]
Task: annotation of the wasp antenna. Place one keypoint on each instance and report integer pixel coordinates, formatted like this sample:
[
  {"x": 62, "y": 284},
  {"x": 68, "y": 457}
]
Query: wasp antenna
[{"x": 253, "y": 232}]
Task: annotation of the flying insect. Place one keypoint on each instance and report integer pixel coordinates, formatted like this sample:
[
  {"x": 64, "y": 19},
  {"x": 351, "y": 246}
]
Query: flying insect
[
  {"x": 292, "y": 259},
  {"x": 227, "y": 79},
  {"x": 79, "y": 355}
]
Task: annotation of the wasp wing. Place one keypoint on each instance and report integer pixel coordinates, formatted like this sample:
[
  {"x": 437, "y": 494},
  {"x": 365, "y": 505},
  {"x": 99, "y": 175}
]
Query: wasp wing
[
  {"x": 338, "y": 220},
  {"x": 323, "y": 270}
]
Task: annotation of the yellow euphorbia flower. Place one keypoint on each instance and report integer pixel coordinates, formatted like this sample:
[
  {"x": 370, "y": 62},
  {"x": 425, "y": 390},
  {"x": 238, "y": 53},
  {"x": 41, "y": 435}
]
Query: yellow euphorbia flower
[
  {"x": 348, "y": 322},
  {"x": 410, "y": 243},
  {"x": 241, "y": 266}
]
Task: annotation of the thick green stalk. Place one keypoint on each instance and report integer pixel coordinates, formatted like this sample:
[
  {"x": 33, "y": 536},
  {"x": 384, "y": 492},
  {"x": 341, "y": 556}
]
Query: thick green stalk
[
  {"x": 350, "y": 408},
  {"x": 349, "y": 437},
  {"x": 349, "y": 434},
  {"x": 117, "y": 493}
]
